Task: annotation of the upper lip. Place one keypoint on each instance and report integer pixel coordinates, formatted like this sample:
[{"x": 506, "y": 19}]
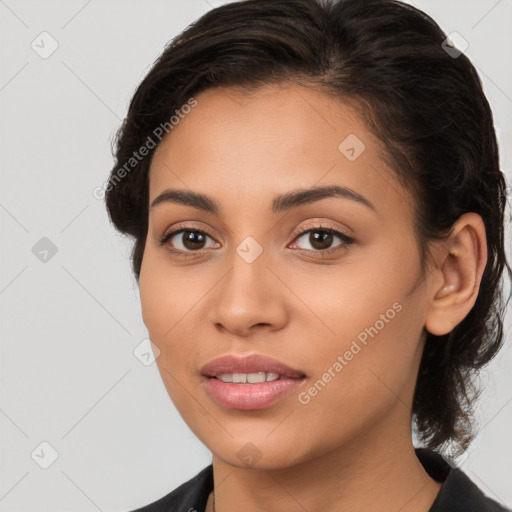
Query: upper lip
[{"x": 253, "y": 363}]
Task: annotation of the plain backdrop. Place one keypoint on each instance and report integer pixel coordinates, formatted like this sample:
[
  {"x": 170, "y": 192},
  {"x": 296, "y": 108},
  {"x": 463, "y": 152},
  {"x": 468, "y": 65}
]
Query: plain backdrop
[{"x": 112, "y": 439}]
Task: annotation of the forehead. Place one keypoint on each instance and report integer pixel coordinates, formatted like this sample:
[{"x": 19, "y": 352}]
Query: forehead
[
  {"x": 269, "y": 141},
  {"x": 271, "y": 120}
]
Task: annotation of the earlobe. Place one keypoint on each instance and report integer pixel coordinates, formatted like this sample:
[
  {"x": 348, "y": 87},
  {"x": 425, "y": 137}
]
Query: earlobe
[{"x": 461, "y": 262}]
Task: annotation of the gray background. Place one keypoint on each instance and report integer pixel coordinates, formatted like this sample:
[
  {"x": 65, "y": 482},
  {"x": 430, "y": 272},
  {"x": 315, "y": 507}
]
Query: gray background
[{"x": 71, "y": 320}]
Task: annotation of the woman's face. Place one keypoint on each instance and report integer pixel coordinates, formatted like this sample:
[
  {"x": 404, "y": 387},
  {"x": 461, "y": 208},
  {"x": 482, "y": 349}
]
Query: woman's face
[{"x": 348, "y": 313}]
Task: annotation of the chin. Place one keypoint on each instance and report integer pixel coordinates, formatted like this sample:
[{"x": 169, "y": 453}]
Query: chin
[{"x": 258, "y": 452}]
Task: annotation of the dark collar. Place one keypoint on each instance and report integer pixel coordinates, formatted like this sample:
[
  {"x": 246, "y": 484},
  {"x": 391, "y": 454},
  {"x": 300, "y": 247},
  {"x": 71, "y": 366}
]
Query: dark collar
[{"x": 458, "y": 493}]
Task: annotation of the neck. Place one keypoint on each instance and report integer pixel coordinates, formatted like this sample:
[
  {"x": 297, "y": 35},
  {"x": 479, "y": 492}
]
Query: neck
[{"x": 378, "y": 470}]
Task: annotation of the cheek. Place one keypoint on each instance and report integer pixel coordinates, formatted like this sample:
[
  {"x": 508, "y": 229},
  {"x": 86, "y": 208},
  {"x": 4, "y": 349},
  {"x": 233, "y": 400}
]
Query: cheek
[
  {"x": 157, "y": 311},
  {"x": 169, "y": 298},
  {"x": 356, "y": 384},
  {"x": 162, "y": 310},
  {"x": 166, "y": 294},
  {"x": 372, "y": 347}
]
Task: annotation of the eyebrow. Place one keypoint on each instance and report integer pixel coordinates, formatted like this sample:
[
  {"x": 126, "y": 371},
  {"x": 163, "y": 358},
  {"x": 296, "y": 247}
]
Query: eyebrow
[{"x": 280, "y": 203}]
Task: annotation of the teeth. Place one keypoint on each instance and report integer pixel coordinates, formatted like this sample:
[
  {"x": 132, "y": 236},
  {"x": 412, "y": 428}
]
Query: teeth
[{"x": 251, "y": 378}]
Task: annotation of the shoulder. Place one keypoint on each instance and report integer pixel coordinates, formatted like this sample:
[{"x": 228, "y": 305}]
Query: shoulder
[
  {"x": 458, "y": 492},
  {"x": 190, "y": 496}
]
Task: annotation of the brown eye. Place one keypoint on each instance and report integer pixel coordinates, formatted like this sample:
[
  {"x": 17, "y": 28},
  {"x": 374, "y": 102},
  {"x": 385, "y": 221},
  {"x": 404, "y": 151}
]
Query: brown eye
[
  {"x": 321, "y": 239},
  {"x": 186, "y": 240}
]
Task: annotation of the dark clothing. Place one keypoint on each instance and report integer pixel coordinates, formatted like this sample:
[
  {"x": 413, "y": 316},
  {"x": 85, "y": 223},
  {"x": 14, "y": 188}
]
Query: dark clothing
[{"x": 457, "y": 494}]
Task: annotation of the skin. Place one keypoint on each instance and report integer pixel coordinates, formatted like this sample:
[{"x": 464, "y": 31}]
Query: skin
[{"x": 350, "y": 447}]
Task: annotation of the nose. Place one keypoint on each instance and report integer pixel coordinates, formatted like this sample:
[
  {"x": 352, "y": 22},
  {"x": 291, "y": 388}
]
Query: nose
[{"x": 249, "y": 298}]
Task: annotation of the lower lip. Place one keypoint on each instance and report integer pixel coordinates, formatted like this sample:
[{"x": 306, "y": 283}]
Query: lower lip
[{"x": 250, "y": 396}]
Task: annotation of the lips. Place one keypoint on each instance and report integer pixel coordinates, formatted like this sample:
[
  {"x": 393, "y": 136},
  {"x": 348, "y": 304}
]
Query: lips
[
  {"x": 224, "y": 380},
  {"x": 252, "y": 363}
]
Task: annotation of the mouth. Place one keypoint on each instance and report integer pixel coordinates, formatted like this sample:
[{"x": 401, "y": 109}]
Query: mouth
[
  {"x": 249, "y": 378},
  {"x": 253, "y": 368},
  {"x": 250, "y": 382}
]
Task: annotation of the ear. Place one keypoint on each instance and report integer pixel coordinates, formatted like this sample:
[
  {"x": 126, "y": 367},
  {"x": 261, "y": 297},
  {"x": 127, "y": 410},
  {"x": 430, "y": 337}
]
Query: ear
[{"x": 455, "y": 280}]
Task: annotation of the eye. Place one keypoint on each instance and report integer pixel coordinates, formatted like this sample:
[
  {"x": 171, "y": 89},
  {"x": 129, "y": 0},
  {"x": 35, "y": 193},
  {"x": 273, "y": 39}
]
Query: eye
[
  {"x": 190, "y": 240},
  {"x": 321, "y": 239},
  {"x": 187, "y": 240}
]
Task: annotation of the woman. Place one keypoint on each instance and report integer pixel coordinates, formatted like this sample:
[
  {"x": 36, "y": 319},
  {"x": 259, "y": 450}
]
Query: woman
[{"x": 317, "y": 206}]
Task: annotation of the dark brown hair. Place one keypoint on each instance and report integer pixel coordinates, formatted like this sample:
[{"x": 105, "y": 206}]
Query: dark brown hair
[{"x": 421, "y": 100}]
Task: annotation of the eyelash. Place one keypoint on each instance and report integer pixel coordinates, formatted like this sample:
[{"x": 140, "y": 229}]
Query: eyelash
[{"x": 345, "y": 241}]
